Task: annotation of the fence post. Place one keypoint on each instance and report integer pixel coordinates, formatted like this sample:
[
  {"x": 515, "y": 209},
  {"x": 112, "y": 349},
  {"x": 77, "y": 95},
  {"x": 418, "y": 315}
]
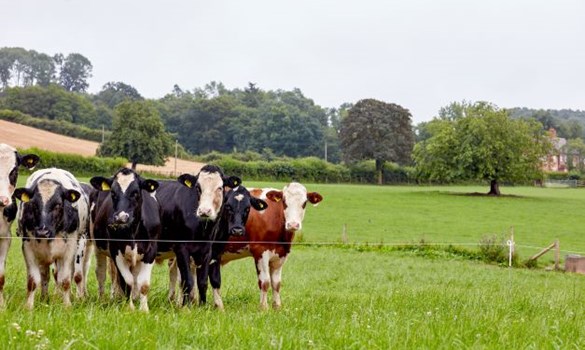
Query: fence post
[
  {"x": 557, "y": 254},
  {"x": 344, "y": 234},
  {"x": 511, "y": 246}
]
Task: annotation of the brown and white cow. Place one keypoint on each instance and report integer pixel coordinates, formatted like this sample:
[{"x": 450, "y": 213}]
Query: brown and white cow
[
  {"x": 10, "y": 160},
  {"x": 53, "y": 220},
  {"x": 269, "y": 235}
]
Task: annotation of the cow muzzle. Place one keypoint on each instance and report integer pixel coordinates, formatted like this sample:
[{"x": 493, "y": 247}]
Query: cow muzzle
[
  {"x": 43, "y": 232},
  {"x": 237, "y": 231},
  {"x": 293, "y": 226},
  {"x": 4, "y": 201}
]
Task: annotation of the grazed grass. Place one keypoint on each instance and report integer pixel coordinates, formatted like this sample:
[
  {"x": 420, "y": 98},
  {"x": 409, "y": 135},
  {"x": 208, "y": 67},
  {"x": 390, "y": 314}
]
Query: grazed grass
[
  {"x": 332, "y": 299},
  {"x": 344, "y": 298}
]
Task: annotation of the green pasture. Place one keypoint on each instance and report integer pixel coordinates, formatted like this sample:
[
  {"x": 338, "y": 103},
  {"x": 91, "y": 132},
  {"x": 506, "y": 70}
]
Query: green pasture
[{"x": 336, "y": 297}]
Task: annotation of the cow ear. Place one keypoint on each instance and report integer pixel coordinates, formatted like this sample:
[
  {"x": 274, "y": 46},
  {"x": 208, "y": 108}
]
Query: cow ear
[
  {"x": 314, "y": 198},
  {"x": 275, "y": 196},
  {"x": 29, "y": 161},
  {"x": 232, "y": 181},
  {"x": 188, "y": 180},
  {"x": 23, "y": 194},
  {"x": 258, "y": 203},
  {"x": 101, "y": 183},
  {"x": 149, "y": 185},
  {"x": 71, "y": 196}
]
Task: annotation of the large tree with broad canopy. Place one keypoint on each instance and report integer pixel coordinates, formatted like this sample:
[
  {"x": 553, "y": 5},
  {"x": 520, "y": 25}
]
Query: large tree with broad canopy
[{"x": 479, "y": 141}]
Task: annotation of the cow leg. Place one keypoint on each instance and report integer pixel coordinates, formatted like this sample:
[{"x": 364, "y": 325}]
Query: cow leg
[
  {"x": 126, "y": 275},
  {"x": 4, "y": 246},
  {"x": 276, "y": 278},
  {"x": 116, "y": 288},
  {"x": 143, "y": 283},
  {"x": 64, "y": 279},
  {"x": 202, "y": 271},
  {"x": 45, "y": 271},
  {"x": 81, "y": 265},
  {"x": 262, "y": 269},
  {"x": 173, "y": 278},
  {"x": 215, "y": 280},
  {"x": 100, "y": 272},
  {"x": 182, "y": 259},
  {"x": 33, "y": 275}
]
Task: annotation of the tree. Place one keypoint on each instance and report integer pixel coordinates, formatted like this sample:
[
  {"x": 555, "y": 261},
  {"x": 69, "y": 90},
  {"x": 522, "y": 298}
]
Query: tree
[
  {"x": 138, "y": 135},
  {"x": 115, "y": 92},
  {"x": 75, "y": 70},
  {"x": 482, "y": 143},
  {"x": 377, "y": 130}
]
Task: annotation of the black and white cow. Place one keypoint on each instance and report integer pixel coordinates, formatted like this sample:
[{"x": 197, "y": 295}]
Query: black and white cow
[
  {"x": 9, "y": 162},
  {"x": 232, "y": 221},
  {"x": 130, "y": 219},
  {"x": 53, "y": 220},
  {"x": 104, "y": 263},
  {"x": 191, "y": 208}
]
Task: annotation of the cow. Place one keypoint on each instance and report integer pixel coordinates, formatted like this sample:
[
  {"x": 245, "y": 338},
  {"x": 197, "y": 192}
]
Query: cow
[
  {"x": 10, "y": 160},
  {"x": 269, "y": 235},
  {"x": 233, "y": 218},
  {"x": 129, "y": 219},
  {"x": 190, "y": 211},
  {"x": 53, "y": 219}
]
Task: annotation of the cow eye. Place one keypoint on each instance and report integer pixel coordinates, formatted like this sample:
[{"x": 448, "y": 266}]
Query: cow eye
[
  {"x": 304, "y": 204},
  {"x": 13, "y": 175}
]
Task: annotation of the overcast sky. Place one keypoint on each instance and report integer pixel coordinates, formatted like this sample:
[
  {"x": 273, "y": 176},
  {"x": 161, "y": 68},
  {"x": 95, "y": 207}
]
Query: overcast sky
[{"x": 420, "y": 54}]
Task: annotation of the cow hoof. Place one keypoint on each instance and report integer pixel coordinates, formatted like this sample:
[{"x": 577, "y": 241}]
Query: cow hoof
[{"x": 276, "y": 306}]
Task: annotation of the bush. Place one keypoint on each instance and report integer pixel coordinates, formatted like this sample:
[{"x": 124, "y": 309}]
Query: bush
[
  {"x": 79, "y": 165},
  {"x": 494, "y": 249}
]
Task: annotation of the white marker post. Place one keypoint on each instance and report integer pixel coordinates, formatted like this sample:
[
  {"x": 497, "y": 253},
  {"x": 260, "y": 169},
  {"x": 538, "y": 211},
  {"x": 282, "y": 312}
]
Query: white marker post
[{"x": 510, "y": 244}]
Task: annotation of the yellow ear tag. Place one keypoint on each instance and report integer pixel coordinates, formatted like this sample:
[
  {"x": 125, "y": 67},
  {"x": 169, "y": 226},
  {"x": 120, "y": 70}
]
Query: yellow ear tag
[
  {"x": 24, "y": 197},
  {"x": 30, "y": 161},
  {"x": 73, "y": 196},
  {"x": 236, "y": 183},
  {"x": 261, "y": 206},
  {"x": 188, "y": 183},
  {"x": 277, "y": 199},
  {"x": 151, "y": 188},
  {"x": 105, "y": 186}
]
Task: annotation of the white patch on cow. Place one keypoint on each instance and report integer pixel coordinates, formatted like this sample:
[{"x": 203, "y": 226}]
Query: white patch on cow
[
  {"x": 211, "y": 199},
  {"x": 263, "y": 266},
  {"x": 125, "y": 180},
  {"x": 7, "y": 164},
  {"x": 124, "y": 268},
  {"x": 295, "y": 196},
  {"x": 61, "y": 250},
  {"x": 239, "y": 197},
  {"x": 143, "y": 283},
  {"x": 46, "y": 189}
]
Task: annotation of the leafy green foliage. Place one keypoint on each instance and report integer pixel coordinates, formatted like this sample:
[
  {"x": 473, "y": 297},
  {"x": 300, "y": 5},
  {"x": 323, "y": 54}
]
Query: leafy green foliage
[
  {"x": 377, "y": 130},
  {"x": 138, "y": 135},
  {"x": 75, "y": 70},
  {"x": 51, "y": 102},
  {"x": 80, "y": 165},
  {"x": 480, "y": 142}
]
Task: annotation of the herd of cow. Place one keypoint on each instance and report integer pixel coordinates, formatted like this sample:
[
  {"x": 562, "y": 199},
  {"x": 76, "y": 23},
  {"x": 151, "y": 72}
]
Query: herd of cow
[{"x": 199, "y": 222}]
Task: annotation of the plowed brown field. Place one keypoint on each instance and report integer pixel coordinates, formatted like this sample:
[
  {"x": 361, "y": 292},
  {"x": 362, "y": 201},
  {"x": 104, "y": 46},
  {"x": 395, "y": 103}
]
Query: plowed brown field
[{"x": 21, "y": 136}]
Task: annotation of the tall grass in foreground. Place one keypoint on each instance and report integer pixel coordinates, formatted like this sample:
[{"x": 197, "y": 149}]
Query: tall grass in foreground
[{"x": 333, "y": 298}]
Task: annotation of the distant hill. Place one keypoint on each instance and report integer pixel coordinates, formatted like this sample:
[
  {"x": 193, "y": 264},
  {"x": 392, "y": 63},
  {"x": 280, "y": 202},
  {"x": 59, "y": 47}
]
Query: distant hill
[{"x": 563, "y": 114}]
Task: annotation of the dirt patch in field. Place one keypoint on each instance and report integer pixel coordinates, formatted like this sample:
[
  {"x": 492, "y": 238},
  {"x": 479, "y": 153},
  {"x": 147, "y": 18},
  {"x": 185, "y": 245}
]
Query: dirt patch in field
[{"x": 21, "y": 136}]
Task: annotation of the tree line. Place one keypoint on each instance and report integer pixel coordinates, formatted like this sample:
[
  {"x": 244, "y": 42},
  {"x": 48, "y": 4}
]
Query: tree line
[{"x": 477, "y": 141}]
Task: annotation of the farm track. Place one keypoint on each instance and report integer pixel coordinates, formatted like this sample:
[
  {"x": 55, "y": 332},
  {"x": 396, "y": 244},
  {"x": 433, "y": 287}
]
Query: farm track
[{"x": 21, "y": 136}]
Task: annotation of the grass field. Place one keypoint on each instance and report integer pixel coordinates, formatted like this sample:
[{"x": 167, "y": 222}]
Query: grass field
[{"x": 336, "y": 297}]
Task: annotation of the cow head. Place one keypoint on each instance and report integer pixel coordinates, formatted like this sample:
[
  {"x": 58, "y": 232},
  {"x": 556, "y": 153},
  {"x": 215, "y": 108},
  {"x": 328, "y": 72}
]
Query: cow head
[
  {"x": 237, "y": 207},
  {"x": 209, "y": 183},
  {"x": 47, "y": 209},
  {"x": 294, "y": 198},
  {"x": 9, "y": 162},
  {"x": 126, "y": 191}
]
